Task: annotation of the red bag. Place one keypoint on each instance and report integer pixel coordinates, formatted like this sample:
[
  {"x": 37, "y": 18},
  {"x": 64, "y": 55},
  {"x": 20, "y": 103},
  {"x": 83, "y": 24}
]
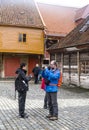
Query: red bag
[
  {"x": 60, "y": 80},
  {"x": 43, "y": 83}
]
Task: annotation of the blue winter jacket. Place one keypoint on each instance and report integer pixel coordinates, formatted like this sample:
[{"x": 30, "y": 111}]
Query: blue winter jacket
[{"x": 53, "y": 76}]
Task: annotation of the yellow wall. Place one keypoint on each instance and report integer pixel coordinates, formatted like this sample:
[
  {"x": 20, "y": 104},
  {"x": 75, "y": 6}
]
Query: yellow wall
[{"x": 9, "y": 40}]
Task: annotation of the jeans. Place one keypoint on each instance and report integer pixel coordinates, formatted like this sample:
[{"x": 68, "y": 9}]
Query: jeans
[{"x": 52, "y": 102}]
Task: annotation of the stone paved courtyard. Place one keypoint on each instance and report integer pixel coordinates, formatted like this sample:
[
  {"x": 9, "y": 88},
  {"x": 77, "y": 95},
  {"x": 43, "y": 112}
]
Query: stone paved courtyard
[{"x": 73, "y": 109}]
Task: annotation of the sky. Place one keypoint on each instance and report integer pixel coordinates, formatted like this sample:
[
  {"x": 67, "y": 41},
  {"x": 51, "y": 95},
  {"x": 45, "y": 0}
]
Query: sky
[{"x": 69, "y": 3}]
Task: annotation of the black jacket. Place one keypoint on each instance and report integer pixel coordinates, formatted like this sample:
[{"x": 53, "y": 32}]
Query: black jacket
[
  {"x": 36, "y": 71},
  {"x": 21, "y": 81}
]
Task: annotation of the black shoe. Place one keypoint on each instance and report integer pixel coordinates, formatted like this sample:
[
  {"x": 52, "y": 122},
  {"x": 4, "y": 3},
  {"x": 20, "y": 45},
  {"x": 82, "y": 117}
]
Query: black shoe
[{"x": 23, "y": 116}]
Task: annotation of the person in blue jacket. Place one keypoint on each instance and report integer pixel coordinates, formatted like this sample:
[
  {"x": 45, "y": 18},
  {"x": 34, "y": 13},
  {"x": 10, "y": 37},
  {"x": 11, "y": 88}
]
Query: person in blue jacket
[{"x": 51, "y": 76}]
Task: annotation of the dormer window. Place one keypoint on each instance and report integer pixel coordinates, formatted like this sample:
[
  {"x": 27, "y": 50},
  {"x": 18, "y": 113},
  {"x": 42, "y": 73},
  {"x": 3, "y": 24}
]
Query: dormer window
[
  {"x": 22, "y": 37},
  {"x": 85, "y": 27}
]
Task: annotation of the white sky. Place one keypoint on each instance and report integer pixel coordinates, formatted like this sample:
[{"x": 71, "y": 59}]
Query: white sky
[{"x": 70, "y": 3}]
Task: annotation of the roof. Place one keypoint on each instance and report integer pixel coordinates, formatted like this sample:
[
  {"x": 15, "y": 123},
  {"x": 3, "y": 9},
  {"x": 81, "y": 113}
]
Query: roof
[
  {"x": 78, "y": 36},
  {"x": 82, "y": 13},
  {"x": 58, "y": 19},
  {"x": 20, "y": 13}
]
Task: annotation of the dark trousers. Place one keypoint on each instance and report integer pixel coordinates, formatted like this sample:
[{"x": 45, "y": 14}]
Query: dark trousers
[
  {"x": 21, "y": 101},
  {"x": 45, "y": 100},
  {"x": 36, "y": 79},
  {"x": 52, "y": 102}
]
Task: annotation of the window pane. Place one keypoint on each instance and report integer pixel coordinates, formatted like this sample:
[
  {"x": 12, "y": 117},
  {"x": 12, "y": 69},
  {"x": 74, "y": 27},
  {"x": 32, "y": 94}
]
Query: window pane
[
  {"x": 52, "y": 57},
  {"x": 20, "y": 37},
  {"x": 24, "y": 37}
]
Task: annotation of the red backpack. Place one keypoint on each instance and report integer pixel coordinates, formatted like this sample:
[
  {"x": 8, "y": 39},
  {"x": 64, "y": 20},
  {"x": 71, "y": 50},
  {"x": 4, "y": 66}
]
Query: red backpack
[{"x": 60, "y": 80}]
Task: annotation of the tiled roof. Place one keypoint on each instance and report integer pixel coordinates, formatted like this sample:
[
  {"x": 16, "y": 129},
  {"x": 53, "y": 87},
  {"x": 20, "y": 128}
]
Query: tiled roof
[
  {"x": 19, "y": 13},
  {"x": 74, "y": 38},
  {"x": 59, "y": 20},
  {"x": 82, "y": 13}
]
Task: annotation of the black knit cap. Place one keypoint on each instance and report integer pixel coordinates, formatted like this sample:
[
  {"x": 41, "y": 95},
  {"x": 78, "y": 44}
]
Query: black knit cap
[{"x": 22, "y": 65}]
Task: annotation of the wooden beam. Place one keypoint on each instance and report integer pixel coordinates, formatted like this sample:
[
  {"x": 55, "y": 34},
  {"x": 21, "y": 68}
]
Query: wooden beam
[
  {"x": 69, "y": 68},
  {"x": 78, "y": 63},
  {"x": 61, "y": 65},
  {"x": 55, "y": 56}
]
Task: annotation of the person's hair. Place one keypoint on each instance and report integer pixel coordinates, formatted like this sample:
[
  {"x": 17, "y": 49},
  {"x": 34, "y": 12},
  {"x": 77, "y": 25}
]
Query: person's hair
[
  {"x": 54, "y": 62},
  {"x": 22, "y": 65}
]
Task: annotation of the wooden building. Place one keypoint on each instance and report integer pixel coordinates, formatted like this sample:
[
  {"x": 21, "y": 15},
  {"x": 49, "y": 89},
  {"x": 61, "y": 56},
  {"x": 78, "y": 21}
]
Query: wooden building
[
  {"x": 58, "y": 20},
  {"x": 73, "y": 53},
  {"x": 21, "y": 36}
]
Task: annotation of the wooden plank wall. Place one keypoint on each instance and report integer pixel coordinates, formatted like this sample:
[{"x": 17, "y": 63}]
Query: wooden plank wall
[
  {"x": 84, "y": 69},
  {"x": 75, "y": 67},
  {"x": 9, "y": 40}
]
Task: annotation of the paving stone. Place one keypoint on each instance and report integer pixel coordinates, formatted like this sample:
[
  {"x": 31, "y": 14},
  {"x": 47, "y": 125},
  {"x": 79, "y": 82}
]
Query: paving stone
[{"x": 73, "y": 109}]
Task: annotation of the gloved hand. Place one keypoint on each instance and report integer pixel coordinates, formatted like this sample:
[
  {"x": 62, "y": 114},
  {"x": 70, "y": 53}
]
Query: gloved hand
[
  {"x": 47, "y": 81},
  {"x": 49, "y": 67},
  {"x": 29, "y": 77}
]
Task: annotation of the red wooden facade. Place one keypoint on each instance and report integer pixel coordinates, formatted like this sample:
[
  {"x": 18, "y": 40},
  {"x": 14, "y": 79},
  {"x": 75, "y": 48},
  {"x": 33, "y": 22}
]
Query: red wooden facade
[{"x": 11, "y": 63}]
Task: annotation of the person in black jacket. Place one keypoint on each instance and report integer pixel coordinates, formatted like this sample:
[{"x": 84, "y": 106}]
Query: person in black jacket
[
  {"x": 21, "y": 85},
  {"x": 36, "y": 71}
]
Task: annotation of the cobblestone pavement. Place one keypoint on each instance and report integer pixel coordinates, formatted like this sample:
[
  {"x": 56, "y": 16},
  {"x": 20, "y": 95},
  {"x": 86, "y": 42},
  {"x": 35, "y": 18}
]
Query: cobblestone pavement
[{"x": 73, "y": 109}]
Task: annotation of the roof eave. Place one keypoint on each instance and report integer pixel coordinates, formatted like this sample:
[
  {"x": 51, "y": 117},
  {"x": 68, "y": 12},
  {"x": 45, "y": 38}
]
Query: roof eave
[
  {"x": 56, "y": 35},
  {"x": 56, "y": 49},
  {"x": 21, "y": 26}
]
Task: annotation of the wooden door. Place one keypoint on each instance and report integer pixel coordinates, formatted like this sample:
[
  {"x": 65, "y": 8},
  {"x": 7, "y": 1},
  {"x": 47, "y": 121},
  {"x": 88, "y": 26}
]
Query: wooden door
[
  {"x": 32, "y": 63},
  {"x": 10, "y": 66}
]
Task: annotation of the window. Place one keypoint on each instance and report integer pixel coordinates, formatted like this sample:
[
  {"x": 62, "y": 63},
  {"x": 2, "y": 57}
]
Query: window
[
  {"x": 52, "y": 56},
  {"x": 84, "y": 67},
  {"x": 85, "y": 27},
  {"x": 22, "y": 37},
  {"x": 45, "y": 61}
]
